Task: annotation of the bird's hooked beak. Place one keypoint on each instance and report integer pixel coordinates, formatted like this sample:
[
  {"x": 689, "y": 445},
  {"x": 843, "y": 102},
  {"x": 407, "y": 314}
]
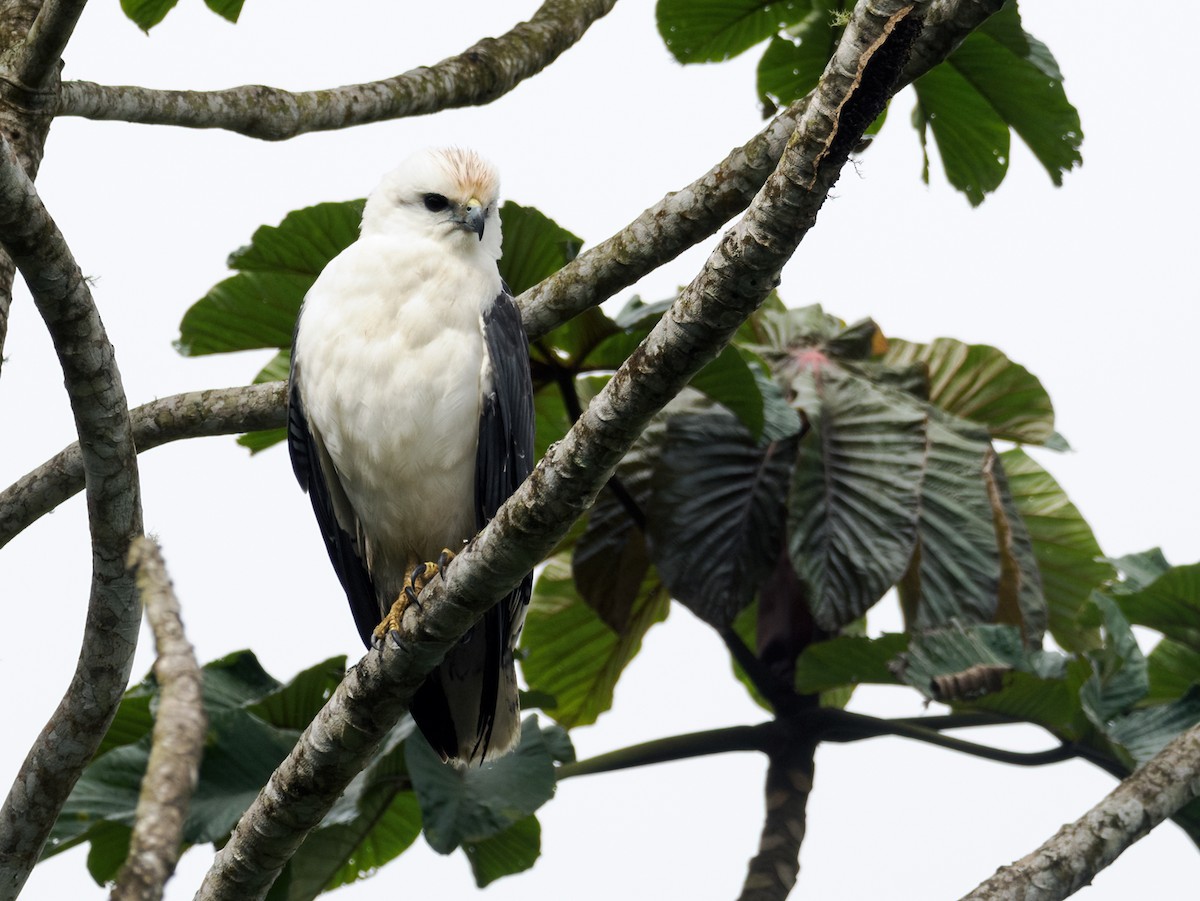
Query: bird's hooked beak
[{"x": 474, "y": 217}]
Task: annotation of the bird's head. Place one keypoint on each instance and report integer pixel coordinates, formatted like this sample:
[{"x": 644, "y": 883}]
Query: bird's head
[{"x": 447, "y": 194}]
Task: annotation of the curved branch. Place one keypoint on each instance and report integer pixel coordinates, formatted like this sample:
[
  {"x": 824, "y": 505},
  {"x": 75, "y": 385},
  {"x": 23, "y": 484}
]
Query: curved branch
[
  {"x": 685, "y": 217},
  {"x": 773, "y": 870},
  {"x": 762, "y": 737},
  {"x": 93, "y": 383},
  {"x": 180, "y": 725},
  {"x": 732, "y": 284},
  {"x": 196, "y": 414},
  {"x": 1072, "y": 858},
  {"x": 478, "y": 75}
]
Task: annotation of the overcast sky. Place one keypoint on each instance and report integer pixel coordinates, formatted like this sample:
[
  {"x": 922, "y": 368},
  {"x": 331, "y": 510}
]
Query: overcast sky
[{"x": 1090, "y": 286}]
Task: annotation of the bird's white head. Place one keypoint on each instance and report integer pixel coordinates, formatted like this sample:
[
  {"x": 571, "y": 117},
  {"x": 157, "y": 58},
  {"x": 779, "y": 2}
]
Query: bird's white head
[{"x": 445, "y": 194}]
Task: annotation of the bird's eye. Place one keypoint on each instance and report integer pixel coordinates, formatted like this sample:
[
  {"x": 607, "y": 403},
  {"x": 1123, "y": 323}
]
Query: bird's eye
[{"x": 435, "y": 203}]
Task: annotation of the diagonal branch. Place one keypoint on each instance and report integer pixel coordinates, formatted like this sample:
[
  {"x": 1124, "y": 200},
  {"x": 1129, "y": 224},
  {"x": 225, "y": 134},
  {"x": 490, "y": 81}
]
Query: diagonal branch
[
  {"x": 180, "y": 725},
  {"x": 773, "y": 870},
  {"x": 685, "y": 217},
  {"x": 36, "y": 59},
  {"x": 197, "y": 414},
  {"x": 93, "y": 383},
  {"x": 478, "y": 75},
  {"x": 1072, "y": 858},
  {"x": 735, "y": 280}
]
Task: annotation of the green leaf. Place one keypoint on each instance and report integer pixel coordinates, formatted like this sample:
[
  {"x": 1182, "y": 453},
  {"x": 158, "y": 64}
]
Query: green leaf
[
  {"x": 109, "y": 848},
  {"x": 512, "y": 851},
  {"x": 133, "y": 719},
  {"x": 226, "y": 9},
  {"x": 258, "y": 306},
  {"x": 972, "y": 139},
  {"x": 1068, "y": 555},
  {"x": 1143, "y": 733},
  {"x": 956, "y": 571},
  {"x": 792, "y": 64},
  {"x": 469, "y": 804},
  {"x": 716, "y": 526},
  {"x": 856, "y": 492},
  {"x": 235, "y": 680},
  {"x": 570, "y": 653},
  {"x": 1170, "y": 604},
  {"x": 147, "y": 13},
  {"x": 1119, "y": 674},
  {"x": 979, "y": 383},
  {"x": 1021, "y": 602},
  {"x": 848, "y": 660},
  {"x": 730, "y": 381},
  {"x": 998, "y": 78},
  {"x": 701, "y": 31},
  {"x": 1173, "y": 669},
  {"x": 294, "y": 705},
  {"x": 535, "y": 246},
  {"x": 1139, "y": 570}
]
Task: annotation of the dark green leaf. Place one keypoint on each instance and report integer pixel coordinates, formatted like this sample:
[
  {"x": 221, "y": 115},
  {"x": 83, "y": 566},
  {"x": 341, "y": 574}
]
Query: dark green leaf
[
  {"x": 981, "y": 384},
  {"x": 469, "y": 804},
  {"x": 701, "y": 31},
  {"x": 848, "y": 660},
  {"x": 716, "y": 526},
  {"x": 304, "y": 242},
  {"x": 570, "y": 653},
  {"x": 293, "y": 705},
  {"x": 235, "y": 680},
  {"x": 1170, "y": 604},
  {"x": 535, "y": 246},
  {"x": 244, "y": 312},
  {"x": 1143, "y": 733},
  {"x": 133, "y": 719},
  {"x": 1139, "y": 570},
  {"x": 730, "y": 381},
  {"x": 972, "y": 139},
  {"x": 259, "y": 441},
  {"x": 792, "y": 65},
  {"x": 1068, "y": 555},
  {"x": 147, "y": 13},
  {"x": 226, "y": 9},
  {"x": 780, "y": 419},
  {"x": 957, "y": 572},
  {"x": 1173, "y": 668},
  {"x": 512, "y": 851},
  {"x": 1119, "y": 675},
  {"x": 855, "y": 498},
  {"x": 109, "y": 848}
]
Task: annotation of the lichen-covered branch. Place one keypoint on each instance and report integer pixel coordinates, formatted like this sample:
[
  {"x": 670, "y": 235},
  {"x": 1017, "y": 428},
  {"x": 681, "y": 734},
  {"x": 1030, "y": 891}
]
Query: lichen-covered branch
[
  {"x": 35, "y": 60},
  {"x": 196, "y": 414},
  {"x": 177, "y": 740},
  {"x": 735, "y": 280},
  {"x": 687, "y": 216},
  {"x": 478, "y": 75},
  {"x": 773, "y": 870},
  {"x": 93, "y": 384},
  {"x": 1072, "y": 858}
]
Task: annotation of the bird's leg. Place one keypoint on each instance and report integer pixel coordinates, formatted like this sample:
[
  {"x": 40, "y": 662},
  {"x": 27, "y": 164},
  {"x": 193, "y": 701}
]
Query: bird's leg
[{"x": 418, "y": 577}]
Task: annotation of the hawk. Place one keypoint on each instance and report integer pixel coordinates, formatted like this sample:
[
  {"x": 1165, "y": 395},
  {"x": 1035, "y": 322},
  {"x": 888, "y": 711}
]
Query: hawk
[{"x": 410, "y": 421}]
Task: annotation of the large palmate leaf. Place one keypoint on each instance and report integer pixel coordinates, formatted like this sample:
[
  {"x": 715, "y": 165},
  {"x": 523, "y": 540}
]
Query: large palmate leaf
[
  {"x": 512, "y": 851},
  {"x": 1068, "y": 555},
  {"x": 999, "y": 78},
  {"x": 956, "y": 571},
  {"x": 570, "y": 654},
  {"x": 716, "y": 526},
  {"x": 1169, "y": 603},
  {"x": 980, "y": 384},
  {"x": 1119, "y": 676},
  {"x": 793, "y": 63},
  {"x": 535, "y": 246},
  {"x": 849, "y": 660},
  {"x": 856, "y": 492}
]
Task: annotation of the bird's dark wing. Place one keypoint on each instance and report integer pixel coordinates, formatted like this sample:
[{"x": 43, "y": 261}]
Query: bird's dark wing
[{"x": 316, "y": 475}]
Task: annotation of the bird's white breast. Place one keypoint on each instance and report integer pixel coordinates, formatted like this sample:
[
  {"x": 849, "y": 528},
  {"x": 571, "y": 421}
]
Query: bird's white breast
[{"x": 391, "y": 354}]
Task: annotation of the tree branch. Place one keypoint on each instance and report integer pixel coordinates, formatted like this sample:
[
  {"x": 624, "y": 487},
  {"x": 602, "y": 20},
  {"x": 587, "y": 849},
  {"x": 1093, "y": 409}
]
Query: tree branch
[
  {"x": 177, "y": 745},
  {"x": 197, "y": 414},
  {"x": 93, "y": 383},
  {"x": 1072, "y": 858},
  {"x": 736, "y": 279},
  {"x": 35, "y": 61},
  {"x": 762, "y": 737},
  {"x": 773, "y": 870},
  {"x": 685, "y": 217},
  {"x": 480, "y": 74}
]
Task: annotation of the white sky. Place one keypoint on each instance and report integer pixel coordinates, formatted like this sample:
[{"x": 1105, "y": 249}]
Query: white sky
[{"x": 1089, "y": 286}]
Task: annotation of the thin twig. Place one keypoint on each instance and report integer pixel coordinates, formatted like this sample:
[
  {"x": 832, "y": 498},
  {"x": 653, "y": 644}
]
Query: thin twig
[
  {"x": 196, "y": 414},
  {"x": 93, "y": 382},
  {"x": 177, "y": 745},
  {"x": 478, "y": 75}
]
